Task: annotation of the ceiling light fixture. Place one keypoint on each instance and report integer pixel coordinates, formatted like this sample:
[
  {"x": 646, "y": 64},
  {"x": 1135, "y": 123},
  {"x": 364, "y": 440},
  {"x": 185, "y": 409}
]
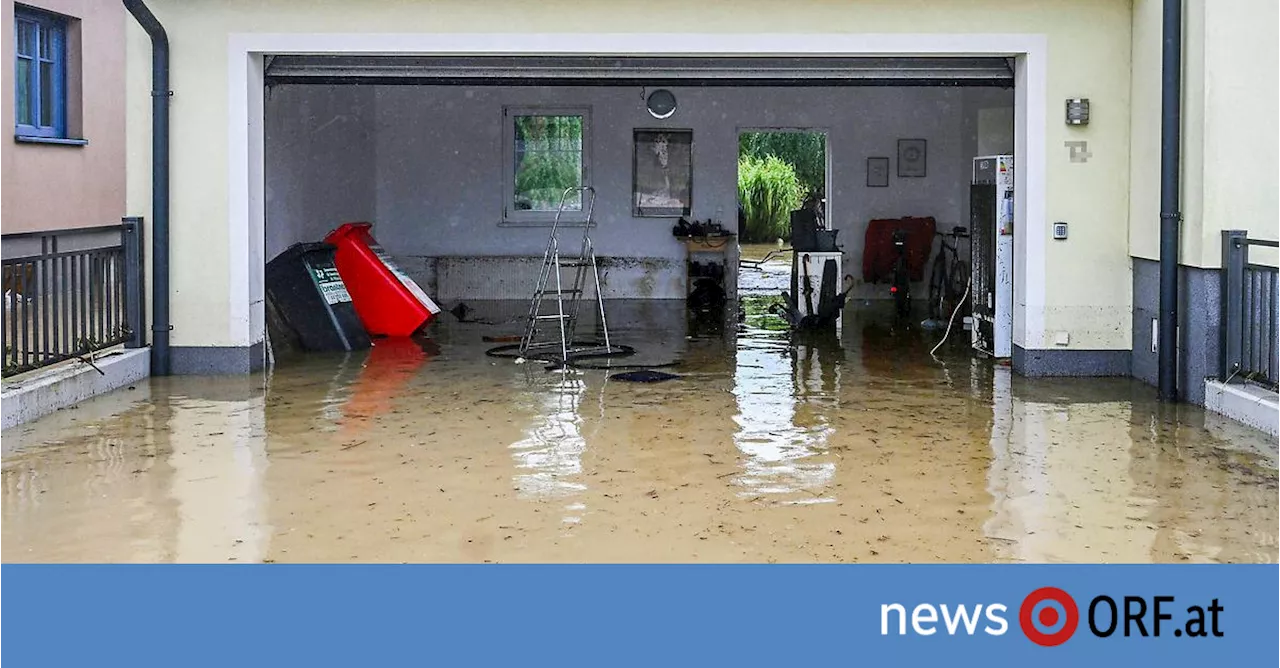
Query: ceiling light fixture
[{"x": 661, "y": 104}]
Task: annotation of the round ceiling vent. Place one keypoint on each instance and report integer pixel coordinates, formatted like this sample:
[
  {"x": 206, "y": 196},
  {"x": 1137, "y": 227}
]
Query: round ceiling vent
[{"x": 661, "y": 104}]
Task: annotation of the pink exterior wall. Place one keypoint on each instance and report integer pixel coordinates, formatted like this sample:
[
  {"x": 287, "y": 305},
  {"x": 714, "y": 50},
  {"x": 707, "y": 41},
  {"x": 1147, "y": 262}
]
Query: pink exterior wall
[{"x": 50, "y": 186}]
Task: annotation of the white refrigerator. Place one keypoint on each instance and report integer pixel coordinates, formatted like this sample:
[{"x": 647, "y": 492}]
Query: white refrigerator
[{"x": 991, "y": 226}]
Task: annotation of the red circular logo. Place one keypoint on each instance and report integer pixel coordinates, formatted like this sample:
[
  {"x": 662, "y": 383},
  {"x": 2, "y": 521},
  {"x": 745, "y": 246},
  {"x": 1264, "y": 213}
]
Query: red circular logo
[{"x": 1048, "y": 616}]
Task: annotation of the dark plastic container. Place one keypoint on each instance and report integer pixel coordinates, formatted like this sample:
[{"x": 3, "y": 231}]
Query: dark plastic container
[
  {"x": 304, "y": 286},
  {"x": 807, "y": 236}
]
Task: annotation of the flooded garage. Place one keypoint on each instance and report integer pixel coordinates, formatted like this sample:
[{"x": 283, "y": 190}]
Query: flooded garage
[{"x": 762, "y": 449}]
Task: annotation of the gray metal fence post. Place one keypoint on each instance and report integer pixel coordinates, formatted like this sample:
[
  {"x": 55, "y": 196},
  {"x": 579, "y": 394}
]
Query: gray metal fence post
[
  {"x": 1234, "y": 256},
  {"x": 135, "y": 285}
]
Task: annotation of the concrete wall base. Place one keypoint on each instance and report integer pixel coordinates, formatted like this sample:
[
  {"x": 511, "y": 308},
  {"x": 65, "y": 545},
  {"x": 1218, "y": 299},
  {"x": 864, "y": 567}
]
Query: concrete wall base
[
  {"x": 43, "y": 392},
  {"x": 1247, "y": 404},
  {"x": 1042, "y": 363},
  {"x": 217, "y": 361},
  {"x": 1199, "y": 313}
]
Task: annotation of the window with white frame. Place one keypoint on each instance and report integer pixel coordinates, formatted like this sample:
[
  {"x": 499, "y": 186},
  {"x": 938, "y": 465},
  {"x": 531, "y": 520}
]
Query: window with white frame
[
  {"x": 547, "y": 152},
  {"x": 40, "y": 72}
]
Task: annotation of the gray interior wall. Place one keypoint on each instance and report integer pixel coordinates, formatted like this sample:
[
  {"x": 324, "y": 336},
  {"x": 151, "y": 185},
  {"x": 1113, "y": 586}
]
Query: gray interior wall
[
  {"x": 436, "y": 189},
  {"x": 995, "y": 130},
  {"x": 988, "y": 121},
  {"x": 320, "y": 161}
]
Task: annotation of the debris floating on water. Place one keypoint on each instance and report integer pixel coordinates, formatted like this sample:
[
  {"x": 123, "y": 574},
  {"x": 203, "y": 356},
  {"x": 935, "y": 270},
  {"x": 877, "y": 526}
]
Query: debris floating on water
[{"x": 644, "y": 376}]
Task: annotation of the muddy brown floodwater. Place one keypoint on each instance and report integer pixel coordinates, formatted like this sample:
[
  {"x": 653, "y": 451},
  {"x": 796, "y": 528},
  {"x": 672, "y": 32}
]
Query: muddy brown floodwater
[{"x": 860, "y": 450}]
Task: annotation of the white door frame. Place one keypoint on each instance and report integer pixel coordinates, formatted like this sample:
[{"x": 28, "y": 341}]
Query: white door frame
[{"x": 245, "y": 136}]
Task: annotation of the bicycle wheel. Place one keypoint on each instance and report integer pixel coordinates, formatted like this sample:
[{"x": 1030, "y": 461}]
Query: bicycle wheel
[
  {"x": 959, "y": 282},
  {"x": 938, "y": 287},
  {"x": 902, "y": 293}
]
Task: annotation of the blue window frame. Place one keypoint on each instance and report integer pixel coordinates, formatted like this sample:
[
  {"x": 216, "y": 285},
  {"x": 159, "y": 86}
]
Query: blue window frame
[{"x": 40, "y": 74}]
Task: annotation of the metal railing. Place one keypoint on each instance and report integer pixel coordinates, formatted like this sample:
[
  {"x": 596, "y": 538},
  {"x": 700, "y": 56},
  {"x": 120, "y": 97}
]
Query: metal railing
[
  {"x": 1250, "y": 313},
  {"x": 69, "y": 293}
]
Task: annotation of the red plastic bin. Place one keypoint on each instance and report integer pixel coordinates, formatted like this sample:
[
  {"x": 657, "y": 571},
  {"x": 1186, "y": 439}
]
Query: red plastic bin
[
  {"x": 879, "y": 256},
  {"x": 388, "y": 302}
]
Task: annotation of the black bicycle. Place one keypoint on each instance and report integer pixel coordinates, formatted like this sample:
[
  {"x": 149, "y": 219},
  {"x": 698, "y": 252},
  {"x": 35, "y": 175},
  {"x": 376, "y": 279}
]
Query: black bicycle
[
  {"x": 949, "y": 276},
  {"x": 900, "y": 288}
]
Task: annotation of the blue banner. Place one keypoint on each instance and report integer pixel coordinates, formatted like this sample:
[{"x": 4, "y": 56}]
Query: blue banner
[{"x": 909, "y": 615}]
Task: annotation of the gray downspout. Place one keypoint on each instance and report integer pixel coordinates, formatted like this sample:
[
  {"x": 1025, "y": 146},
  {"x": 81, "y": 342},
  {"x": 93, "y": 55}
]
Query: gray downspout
[
  {"x": 159, "y": 184},
  {"x": 1170, "y": 217}
]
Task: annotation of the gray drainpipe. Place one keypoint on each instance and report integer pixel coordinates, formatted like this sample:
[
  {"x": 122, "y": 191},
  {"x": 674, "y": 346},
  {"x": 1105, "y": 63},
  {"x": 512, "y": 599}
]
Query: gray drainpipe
[
  {"x": 159, "y": 184},
  {"x": 1170, "y": 217}
]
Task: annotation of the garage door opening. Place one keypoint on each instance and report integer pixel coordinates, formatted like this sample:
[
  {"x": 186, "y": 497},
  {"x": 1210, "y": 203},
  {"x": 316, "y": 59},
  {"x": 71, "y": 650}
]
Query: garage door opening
[{"x": 457, "y": 161}]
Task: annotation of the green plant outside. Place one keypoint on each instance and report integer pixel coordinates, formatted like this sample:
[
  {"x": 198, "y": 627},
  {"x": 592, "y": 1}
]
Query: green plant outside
[
  {"x": 768, "y": 191},
  {"x": 548, "y": 160},
  {"x": 804, "y": 151}
]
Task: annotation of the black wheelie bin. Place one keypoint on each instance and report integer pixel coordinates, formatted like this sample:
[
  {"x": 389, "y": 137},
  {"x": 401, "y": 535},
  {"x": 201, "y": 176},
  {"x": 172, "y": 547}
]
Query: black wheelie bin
[{"x": 304, "y": 286}]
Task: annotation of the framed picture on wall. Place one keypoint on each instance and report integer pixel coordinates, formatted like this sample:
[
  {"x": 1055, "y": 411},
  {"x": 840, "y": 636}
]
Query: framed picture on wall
[
  {"x": 662, "y": 180},
  {"x": 877, "y": 172},
  {"x": 912, "y": 158}
]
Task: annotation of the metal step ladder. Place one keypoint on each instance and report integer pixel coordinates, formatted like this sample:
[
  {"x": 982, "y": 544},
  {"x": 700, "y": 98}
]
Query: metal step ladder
[{"x": 557, "y": 299}]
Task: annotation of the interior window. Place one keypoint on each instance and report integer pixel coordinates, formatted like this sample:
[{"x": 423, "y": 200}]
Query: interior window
[{"x": 548, "y": 155}]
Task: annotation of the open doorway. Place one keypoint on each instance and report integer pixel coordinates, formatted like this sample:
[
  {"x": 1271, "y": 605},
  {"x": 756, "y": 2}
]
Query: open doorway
[
  {"x": 782, "y": 174},
  {"x": 779, "y": 171}
]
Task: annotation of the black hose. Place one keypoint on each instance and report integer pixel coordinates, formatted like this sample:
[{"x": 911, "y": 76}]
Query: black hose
[
  {"x": 512, "y": 351},
  {"x": 620, "y": 367}
]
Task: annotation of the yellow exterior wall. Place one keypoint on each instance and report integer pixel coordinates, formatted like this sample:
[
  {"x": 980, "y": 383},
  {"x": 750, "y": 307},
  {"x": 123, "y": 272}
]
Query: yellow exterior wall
[
  {"x": 1242, "y": 104},
  {"x": 1144, "y": 143},
  {"x": 1144, "y": 167},
  {"x": 1230, "y": 102},
  {"x": 1089, "y": 292},
  {"x": 1089, "y": 285}
]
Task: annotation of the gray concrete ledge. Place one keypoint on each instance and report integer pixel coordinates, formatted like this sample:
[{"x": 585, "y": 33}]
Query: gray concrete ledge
[
  {"x": 42, "y": 392},
  {"x": 1046, "y": 363},
  {"x": 1246, "y": 404},
  {"x": 216, "y": 361}
]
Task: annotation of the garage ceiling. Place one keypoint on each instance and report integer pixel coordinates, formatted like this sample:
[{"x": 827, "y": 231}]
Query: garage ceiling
[{"x": 617, "y": 70}]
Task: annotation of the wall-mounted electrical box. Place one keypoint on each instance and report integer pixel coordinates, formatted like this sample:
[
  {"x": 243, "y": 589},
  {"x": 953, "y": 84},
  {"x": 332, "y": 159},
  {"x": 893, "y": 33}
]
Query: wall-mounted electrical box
[
  {"x": 1059, "y": 231},
  {"x": 1078, "y": 111}
]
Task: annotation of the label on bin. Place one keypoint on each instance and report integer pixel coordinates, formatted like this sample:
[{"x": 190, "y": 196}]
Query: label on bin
[
  {"x": 407, "y": 282},
  {"x": 331, "y": 285}
]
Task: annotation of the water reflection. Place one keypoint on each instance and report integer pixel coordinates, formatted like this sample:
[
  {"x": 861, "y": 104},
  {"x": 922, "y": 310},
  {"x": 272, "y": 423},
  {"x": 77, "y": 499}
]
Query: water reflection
[
  {"x": 217, "y": 452},
  {"x": 401, "y": 455},
  {"x": 783, "y": 395},
  {"x": 1089, "y": 476},
  {"x": 1006, "y": 526},
  {"x": 1048, "y": 504},
  {"x": 100, "y": 471},
  {"x": 1212, "y": 490},
  {"x": 337, "y": 392},
  {"x": 550, "y": 456},
  {"x": 388, "y": 371}
]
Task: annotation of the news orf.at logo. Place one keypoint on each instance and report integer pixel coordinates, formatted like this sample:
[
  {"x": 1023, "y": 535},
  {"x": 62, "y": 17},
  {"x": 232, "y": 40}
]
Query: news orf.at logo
[{"x": 1049, "y": 617}]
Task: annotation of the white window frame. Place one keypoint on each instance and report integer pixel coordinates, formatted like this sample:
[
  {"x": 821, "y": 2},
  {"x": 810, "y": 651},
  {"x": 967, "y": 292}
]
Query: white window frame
[{"x": 513, "y": 217}]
